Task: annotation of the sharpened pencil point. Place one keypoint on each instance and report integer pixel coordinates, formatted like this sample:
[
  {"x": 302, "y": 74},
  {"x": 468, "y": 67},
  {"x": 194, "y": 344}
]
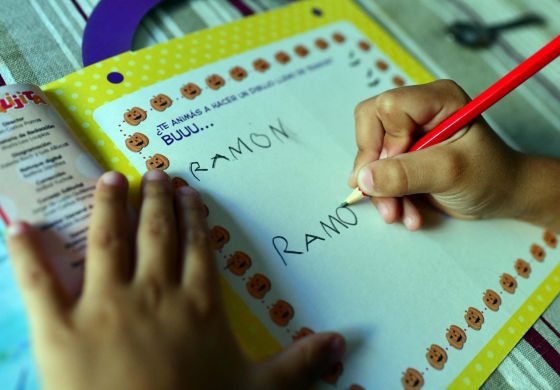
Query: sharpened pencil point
[{"x": 344, "y": 204}]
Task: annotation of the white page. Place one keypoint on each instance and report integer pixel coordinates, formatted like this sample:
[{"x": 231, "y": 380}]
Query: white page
[{"x": 391, "y": 292}]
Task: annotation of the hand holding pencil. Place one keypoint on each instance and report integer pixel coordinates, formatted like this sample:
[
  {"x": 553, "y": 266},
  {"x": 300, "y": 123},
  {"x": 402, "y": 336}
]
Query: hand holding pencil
[
  {"x": 472, "y": 175},
  {"x": 468, "y": 171},
  {"x": 467, "y": 176}
]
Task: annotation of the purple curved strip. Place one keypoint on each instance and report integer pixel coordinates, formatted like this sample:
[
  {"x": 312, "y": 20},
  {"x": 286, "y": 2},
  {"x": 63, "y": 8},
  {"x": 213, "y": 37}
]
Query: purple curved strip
[
  {"x": 111, "y": 27},
  {"x": 241, "y": 7}
]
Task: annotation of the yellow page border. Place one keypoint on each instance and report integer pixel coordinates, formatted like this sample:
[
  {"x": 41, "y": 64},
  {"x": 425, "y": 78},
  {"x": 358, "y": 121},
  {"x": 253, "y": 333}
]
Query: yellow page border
[{"x": 78, "y": 95}]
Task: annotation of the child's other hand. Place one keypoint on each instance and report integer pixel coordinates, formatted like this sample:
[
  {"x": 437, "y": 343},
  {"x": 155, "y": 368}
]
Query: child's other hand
[
  {"x": 472, "y": 175},
  {"x": 149, "y": 317}
]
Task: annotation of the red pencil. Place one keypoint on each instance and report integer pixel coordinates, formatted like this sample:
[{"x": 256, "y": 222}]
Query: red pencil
[{"x": 481, "y": 103}]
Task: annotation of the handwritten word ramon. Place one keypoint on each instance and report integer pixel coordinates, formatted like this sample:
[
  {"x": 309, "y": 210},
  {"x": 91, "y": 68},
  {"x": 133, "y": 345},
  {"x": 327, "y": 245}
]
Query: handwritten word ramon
[{"x": 243, "y": 146}]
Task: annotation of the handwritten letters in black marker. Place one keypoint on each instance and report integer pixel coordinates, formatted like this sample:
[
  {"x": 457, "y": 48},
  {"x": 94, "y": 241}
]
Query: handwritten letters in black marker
[
  {"x": 333, "y": 225},
  {"x": 242, "y": 146}
]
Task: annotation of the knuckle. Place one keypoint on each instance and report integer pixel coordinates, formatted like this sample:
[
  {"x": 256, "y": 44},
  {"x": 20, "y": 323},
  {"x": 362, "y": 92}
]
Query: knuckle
[
  {"x": 109, "y": 314},
  {"x": 362, "y": 108},
  {"x": 152, "y": 293},
  {"x": 456, "y": 92},
  {"x": 204, "y": 305},
  {"x": 198, "y": 236},
  {"x": 157, "y": 190},
  {"x": 387, "y": 103},
  {"x": 192, "y": 202},
  {"x": 106, "y": 239},
  {"x": 391, "y": 178},
  {"x": 157, "y": 224}
]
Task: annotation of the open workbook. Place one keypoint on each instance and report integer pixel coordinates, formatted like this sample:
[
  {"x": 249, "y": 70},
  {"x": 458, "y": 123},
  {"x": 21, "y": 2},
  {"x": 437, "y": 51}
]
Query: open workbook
[{"x": 258, "y": 116}]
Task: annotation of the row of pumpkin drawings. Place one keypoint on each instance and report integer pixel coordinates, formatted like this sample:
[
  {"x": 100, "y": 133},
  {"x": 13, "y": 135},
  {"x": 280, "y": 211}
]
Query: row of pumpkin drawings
[
  {"x": 136, "y": 115},
  {"x": 258, "y": 286},
  {"x": 412, "y": 379},
  {"x": 137, "y": 141},
  {"x": 282, "y": 312}
]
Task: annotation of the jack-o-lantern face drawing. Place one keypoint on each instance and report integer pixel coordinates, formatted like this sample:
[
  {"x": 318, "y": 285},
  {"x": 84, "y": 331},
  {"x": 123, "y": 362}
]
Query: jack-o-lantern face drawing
[
  {"x": 508, "y": 283},
  {"x": 281, "y": 313},
  {"x": 398, "y": 81},
  {"x": 258, "y": 286},
  {"x": 492, "y": 300},
  {"x": 456, "y": 336},
  {"x": 178, "y": 182},
  {"x": 550, "y": 239},
  {"x": 261, "y": 65},
  {"x": 219, "y": 237},
  {"x": 282, "y": 57},
  {"x": 238, "y": 73},
  {"x": 412, "y": 379},
  {"x": 215, "y": 82},
  {"x": 191, "y": 91},
  {"x": 321, "y": 44},
  {"x": 364, "y": 45},
  {"x": 134, "y": 116},
  {"x": 339, "y": 38},
  {"x": 301, "y": 51},
  {"x": 474, "y": 318},
  {"x": 381, "y": 65},
  {"x": 303, "y": 332},
  {"x": 136, "y": 142},
  {"x": 157, "y": 161},
  {"x": 333, "y": 373},
  {"x": 239, "y": 263},
  {"x": 522, "y": 268},
  {"x": 161, "y": 102},
  {"x": 436, "y": 356},
  {"x": 538, "y": 252}
]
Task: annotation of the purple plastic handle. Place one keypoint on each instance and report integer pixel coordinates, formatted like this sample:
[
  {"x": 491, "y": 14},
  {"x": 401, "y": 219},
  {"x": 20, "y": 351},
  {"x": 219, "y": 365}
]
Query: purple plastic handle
[{"x": 111, "y": 27}]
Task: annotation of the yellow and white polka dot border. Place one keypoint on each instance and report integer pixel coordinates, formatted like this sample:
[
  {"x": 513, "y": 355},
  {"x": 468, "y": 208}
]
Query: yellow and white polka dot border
[{"x": 489, "y": 357}]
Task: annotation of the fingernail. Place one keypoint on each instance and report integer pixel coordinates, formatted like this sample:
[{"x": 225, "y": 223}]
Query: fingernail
[
  {"x": 337, "y": 347},
  {"x": 186, "y": 191},
  {"x": 383, "y": 154},
  {"x": 383, "y": 210},
  {"x": 113, "y": 179},
  {"x": 408, "y": 222},
  {"x": 365, "y": 181},
  {"x": 16, "y": 229},
  {"x": 156, "y": 175}
]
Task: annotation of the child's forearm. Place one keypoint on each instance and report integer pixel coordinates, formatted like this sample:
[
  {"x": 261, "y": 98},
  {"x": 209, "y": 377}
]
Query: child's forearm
[{"x": 538, "y": 194}]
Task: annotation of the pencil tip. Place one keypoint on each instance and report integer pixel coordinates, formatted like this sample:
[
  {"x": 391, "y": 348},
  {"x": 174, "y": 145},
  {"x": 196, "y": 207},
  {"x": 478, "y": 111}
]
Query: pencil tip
[{"x": 344, "y": 204}]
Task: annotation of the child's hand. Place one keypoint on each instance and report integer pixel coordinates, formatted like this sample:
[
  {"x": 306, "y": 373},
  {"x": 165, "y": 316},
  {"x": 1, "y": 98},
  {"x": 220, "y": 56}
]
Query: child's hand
[
  {"x": 150, "y": 317},
  {"x": 472, "y": 175}
]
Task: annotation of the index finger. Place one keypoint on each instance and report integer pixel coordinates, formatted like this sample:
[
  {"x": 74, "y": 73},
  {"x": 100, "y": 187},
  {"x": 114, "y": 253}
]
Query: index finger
[
  {"x": 385, "y": 124},
  {"x": 43, "y": 295},
  {"x": 199, "y": 272}
]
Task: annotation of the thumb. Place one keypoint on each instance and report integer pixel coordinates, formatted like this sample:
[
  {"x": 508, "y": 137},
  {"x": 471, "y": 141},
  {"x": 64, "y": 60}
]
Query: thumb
[
  {"x": 303, "y": 363},
  {"x": 430, "y": 171}
]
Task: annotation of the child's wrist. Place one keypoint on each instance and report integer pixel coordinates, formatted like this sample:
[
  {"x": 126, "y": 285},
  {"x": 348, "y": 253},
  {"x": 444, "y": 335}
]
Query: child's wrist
[{"x": 537, "y": 192}]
